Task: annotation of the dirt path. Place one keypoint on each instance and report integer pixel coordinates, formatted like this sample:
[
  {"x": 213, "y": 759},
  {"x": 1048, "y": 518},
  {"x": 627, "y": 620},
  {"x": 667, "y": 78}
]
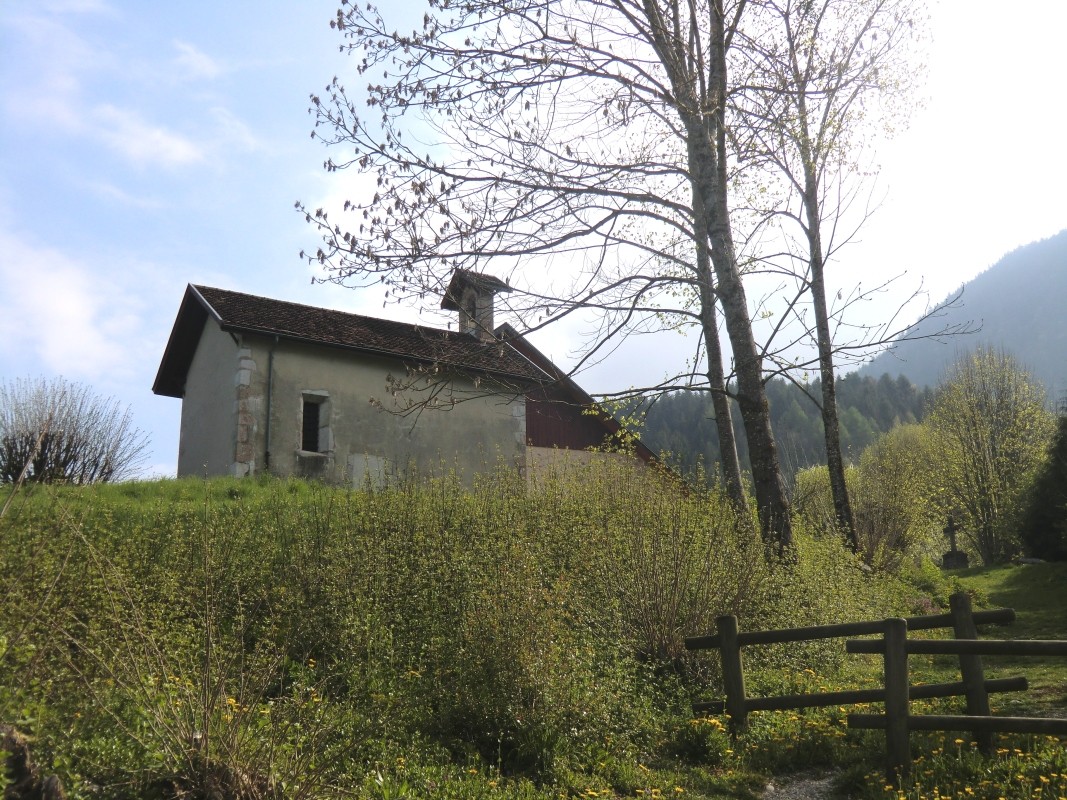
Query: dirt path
[{"x": 802, "y": 786}]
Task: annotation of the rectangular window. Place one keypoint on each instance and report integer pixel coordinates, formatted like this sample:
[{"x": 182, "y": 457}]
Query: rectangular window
[{"x": 310, "y": 437}]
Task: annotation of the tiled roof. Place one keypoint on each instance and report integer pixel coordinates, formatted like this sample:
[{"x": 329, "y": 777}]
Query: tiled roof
[
  {"x": 237, "y": 311},
  {"x": 248, "y": 312}
]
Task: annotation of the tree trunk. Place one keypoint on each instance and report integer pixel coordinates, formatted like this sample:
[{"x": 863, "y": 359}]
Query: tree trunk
[
  {"x": 702, "y": 112},
  {"x": 835, "y": 461},
  {"x": 731, "y": 467},
  {"x": 771, "y": 500},
  {"x": 708, "y": 164}
]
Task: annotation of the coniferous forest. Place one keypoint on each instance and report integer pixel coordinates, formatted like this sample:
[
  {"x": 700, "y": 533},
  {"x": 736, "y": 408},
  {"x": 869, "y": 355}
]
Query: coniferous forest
[{"x": 682, "y": 424}]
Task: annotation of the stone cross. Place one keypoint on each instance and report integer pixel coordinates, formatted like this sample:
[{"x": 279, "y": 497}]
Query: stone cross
[{"x": 950, "y": 531}]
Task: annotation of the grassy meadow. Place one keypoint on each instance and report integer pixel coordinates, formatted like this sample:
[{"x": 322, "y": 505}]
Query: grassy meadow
[{"x": 272, "y": 638}]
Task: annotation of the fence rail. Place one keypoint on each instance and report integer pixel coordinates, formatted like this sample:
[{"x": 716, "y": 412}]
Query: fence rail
[
  {"x": 967, "y": 647},
  {"x": 998, "y": 616},
  {"x": 921, "y": 691},
  {"x": 894, "y": 646}
]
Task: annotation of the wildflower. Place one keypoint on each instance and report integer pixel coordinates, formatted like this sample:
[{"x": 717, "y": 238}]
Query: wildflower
[
  {"x": 473, "y": 771},
  {"x": 959, "y": 741},
  {"x": 679, "y": 789},
  {"x": 492, "y": 783}
]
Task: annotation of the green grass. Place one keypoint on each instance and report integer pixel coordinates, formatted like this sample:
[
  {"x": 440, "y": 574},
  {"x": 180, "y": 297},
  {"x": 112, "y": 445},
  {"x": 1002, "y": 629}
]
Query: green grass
[{"x": 1038, "y": 593}]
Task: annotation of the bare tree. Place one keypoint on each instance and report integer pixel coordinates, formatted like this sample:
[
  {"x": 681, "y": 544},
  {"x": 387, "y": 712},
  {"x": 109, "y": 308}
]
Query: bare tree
[
  {"x": 52, "y": 431},
  {"x": 835, "y": 73},
  {"x": 584, "y": 140}
]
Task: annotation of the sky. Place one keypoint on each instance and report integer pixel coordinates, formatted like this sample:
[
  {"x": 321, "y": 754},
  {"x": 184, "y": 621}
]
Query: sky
[{"x": 144, "y": 146}]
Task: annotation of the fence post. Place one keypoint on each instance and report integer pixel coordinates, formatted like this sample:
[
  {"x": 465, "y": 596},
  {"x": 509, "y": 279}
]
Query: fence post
[
  {"x": 971, "y": 671},
  {"x": 897, "y": 744},
  {"x": 733, "y": 677}
]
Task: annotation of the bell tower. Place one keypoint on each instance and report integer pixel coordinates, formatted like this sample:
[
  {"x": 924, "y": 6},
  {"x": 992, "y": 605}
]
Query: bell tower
[{"x": 471, "y": 294}]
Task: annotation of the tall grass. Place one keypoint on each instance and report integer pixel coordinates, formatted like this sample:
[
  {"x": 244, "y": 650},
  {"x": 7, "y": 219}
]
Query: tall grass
[{"x": 272, "y": 639}]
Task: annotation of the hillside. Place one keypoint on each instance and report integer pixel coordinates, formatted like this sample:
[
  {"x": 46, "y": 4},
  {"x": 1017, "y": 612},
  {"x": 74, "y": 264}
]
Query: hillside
[
  {"x": 1018, "y": 303},
  {"x": 683, "y": 425}
]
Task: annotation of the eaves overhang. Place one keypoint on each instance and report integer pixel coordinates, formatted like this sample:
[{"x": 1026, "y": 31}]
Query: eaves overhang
[{"x": 196, "y": 309}]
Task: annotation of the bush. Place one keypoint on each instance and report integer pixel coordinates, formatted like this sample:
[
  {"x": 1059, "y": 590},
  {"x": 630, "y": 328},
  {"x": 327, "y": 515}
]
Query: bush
[
  {"x": 892, "y": 502},
  {"x": 537, "y": 629},
  {"x": 65, "y": 433}
]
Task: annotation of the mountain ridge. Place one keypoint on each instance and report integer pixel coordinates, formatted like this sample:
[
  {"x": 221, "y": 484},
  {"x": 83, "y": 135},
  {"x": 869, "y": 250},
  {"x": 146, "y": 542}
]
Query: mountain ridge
[{"x": 1019, "y": 303}]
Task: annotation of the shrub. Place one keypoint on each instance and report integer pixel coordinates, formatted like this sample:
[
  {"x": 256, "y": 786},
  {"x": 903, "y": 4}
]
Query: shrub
[
  {"x": 65, "y": 433},
  {"x": 893, "y": 506},
  {"x": 538, "y": 629}
]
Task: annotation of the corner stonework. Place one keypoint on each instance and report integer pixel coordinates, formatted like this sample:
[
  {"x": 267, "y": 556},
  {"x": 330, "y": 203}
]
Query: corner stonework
[
  {"x": 518, "y": 410},
  {"x": 247, "y": 405}
]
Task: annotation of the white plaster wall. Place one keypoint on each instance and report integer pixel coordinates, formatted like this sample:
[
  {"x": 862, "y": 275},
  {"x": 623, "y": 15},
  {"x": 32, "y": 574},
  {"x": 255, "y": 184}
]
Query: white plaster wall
[
  {"x": 209, "y": 415},
  {"x": 472, "y": 436},
  {"x": 543, "y": 461}
]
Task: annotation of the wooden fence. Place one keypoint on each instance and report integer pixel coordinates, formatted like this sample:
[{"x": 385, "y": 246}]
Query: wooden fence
[{"x": 895, "y": 648}]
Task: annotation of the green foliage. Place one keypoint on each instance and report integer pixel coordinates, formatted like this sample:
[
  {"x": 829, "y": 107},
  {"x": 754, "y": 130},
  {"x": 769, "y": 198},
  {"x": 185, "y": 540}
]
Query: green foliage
[
  {"x": 992, "y": 429},
  {"x": 283, "y": 637},
  {"x": 1044, "y": 524},
  {"x": 896, "y": 517},
  {"x": 683, "y": 423},
  {"x": 433, "y": 641},
  {"x": 939, "y": 587}
]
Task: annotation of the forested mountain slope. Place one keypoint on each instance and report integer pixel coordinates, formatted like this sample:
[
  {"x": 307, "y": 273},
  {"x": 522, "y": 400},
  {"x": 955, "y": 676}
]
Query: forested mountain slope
[
  {"x": 683, "y": 425},
  {"x": 1019, "y": 303}
]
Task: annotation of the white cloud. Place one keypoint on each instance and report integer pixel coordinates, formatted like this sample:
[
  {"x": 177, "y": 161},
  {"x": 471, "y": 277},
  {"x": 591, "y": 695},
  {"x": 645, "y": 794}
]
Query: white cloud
[
  {"x": 195, "y": 62},
  {"x": 111, "y": 192},
  {"x": 79, "y": 7},
  {"x": 56, "y": 314},
  {"x": 233, "y": 132},
  {"x": 143, "y": 142}
]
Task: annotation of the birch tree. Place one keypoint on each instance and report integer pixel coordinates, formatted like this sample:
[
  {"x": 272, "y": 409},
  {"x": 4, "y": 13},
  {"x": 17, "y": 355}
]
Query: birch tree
[
  {"x": 833, "y": 76},
  {"x": 584, "y": 141}
]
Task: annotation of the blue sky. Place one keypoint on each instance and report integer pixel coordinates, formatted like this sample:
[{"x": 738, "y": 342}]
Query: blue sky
[{"x": 147, "y": 145}]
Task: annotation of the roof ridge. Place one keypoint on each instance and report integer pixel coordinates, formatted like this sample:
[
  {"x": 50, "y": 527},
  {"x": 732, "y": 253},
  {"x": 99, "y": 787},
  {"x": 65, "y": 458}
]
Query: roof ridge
[{"x": 417, "y": 325}]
